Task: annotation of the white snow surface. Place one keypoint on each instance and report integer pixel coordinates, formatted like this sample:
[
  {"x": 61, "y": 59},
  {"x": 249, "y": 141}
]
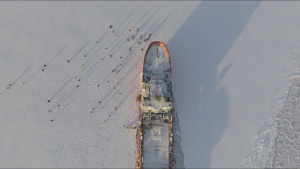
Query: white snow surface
[
  {"x": 232, "y": 66},
  {"x": 37, "y": 33}
]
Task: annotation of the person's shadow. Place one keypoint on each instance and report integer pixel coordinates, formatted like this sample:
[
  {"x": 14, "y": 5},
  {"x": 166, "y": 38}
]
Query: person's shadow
[{"x": 196, "y": 50}]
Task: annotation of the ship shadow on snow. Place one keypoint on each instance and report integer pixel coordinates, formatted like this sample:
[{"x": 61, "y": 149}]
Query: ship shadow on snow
[{"x": 196, "y": 50}]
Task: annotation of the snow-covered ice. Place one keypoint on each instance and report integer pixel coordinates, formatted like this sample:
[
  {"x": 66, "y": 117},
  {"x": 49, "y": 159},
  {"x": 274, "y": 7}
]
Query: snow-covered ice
[
  {"x": 82, "y": 124},
  {"x": 233, "y": 63}
]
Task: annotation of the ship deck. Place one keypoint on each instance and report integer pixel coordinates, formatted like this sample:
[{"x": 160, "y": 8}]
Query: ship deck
[
  {"x": 156, "y": 146},
  {"x": 156, "y": 108},
  {"x": 157, "y": 88}
]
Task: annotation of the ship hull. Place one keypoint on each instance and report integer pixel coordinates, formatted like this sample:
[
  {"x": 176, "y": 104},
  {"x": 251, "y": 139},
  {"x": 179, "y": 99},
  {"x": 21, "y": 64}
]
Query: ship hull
[{"x": 155, "y": 134}]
